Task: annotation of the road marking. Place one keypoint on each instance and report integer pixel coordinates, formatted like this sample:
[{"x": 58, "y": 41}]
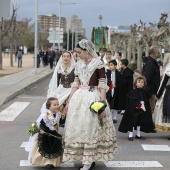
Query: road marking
[
  {"x": 11, "y": 112},
  {"x": 33, "y": 97},
  {"x": 27, "y": 163},
  {"x": 24, "y": 144},
  {"x": 126, "y": 164},
  {"x": 156, "y": 147}
]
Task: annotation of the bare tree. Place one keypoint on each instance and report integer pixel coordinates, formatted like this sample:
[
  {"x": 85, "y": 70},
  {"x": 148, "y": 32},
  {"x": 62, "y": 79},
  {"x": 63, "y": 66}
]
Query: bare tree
[
  {"x": 4, "y": 28},
  {"x": 18, "y": 28}
]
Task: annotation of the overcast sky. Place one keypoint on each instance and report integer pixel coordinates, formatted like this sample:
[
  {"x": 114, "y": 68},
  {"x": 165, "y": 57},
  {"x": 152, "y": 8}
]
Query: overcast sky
[{"x": 114, "y": 12}]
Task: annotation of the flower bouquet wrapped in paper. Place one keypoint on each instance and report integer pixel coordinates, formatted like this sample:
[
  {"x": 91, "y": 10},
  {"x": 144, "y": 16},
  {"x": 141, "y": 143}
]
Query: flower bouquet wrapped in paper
[
  {"x": 33, "y": 129},
  {"x": 98, "y": 107}
]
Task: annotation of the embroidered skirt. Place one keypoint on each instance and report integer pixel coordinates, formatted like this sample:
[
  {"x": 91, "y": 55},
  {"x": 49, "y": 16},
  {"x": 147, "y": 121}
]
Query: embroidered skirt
[{"x": 85, "y": 140}]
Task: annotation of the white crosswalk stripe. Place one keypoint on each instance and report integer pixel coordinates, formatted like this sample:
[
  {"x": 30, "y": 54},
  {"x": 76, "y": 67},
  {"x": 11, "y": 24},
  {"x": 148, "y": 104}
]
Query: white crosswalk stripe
[
  {"x": 11, "y": 112},
  {"x": 24, "y": 144},
  {"x": 127, "y": 164},
  {"x": 156, "y": 147},
  {"x": 27, "y": 163}
]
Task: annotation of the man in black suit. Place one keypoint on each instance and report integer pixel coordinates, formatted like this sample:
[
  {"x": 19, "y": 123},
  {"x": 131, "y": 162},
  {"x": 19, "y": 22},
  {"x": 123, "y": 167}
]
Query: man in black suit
[{"x": 152, "y": 73}]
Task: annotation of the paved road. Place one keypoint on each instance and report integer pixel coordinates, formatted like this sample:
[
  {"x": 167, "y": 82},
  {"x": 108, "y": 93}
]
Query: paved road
[{"x": 14, "y": 133}]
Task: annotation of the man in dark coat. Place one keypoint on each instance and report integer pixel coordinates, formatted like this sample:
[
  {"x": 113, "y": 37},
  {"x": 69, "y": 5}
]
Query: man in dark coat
[
  {"x": 51, "y": 57},
  {"x": 152, "y": 74},
  {"x": 113, "y": 81},
  {"x": 126, "y": 83}
]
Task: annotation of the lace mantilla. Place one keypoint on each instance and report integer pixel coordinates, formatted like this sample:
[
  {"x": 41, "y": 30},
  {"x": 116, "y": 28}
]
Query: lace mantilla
[{"x": 89, "y": 46}]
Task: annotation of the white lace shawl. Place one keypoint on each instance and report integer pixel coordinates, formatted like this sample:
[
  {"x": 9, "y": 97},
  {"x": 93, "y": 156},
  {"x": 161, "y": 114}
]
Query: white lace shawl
[
  {"x": 85, "y": 72},
  {"x": 52, "y": 90},
  {"x": 51, "y": 120}
]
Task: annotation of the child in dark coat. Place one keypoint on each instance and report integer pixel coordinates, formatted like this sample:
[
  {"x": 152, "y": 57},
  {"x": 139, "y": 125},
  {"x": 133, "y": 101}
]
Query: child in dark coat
[
  {"x": 138, "y": 112},
  {"x": 113, "y": 81}
]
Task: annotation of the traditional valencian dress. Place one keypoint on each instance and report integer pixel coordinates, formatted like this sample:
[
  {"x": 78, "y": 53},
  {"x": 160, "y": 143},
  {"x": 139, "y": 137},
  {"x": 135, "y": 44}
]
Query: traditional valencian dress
[
  {"x": 45, "y": 149},
  {"x": 85, "y": 140},
  {"x": 162, "y": 108},
  {"x": 60, "y": 85}
]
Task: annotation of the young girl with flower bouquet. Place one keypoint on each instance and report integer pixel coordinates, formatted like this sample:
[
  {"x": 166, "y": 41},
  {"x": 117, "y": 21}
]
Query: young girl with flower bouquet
[
  {"x": 46, "y": 147},
  {"x": 138, "y": 112}
]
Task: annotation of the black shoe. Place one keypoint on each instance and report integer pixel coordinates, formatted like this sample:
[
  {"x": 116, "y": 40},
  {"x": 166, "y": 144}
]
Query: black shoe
[
  {"x": 92, "y": 166},
  {"x": 49, "y": 167},
  {"x": 114, "y": 121},
  {"x": 169, "y": 137},
  {"x": 153, "y": 131},
  {"x": 130, "y": 138},
  {"x": 140, "y": 137}
]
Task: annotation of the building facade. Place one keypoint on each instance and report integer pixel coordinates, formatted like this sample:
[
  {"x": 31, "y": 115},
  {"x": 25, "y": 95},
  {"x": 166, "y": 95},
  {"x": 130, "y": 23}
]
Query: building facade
[{"x": 51, "y": 21}]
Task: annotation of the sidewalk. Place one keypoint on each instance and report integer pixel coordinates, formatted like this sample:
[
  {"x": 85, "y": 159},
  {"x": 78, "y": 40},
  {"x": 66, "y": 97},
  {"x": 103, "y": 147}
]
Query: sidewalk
[{"x": 17, "y": 80}]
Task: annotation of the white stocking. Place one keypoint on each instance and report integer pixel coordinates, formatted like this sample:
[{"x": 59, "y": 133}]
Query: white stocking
[
  {"x": 138, "y": 131},
  {"x": 115, "y": 114},
  {"x": 131, "y": 134},
  {"x": 86, "y": 167},
  {"x": 111, "y": 113}
]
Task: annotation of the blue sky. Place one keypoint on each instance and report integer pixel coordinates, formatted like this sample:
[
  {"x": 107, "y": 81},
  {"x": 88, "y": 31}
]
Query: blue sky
[{"x": 114, "y": 12}]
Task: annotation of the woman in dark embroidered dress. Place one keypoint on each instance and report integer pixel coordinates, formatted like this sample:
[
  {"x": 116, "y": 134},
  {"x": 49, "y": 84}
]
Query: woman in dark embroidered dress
[{"x": 60, "y": 83}]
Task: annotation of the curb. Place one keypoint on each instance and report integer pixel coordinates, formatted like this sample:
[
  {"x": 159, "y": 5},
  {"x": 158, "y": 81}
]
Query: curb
[{"x": 23, "y": 89}]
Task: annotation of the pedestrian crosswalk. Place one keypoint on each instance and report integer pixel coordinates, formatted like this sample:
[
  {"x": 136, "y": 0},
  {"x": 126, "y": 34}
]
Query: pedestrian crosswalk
[
  {"x": 118, "y": 164},
  {"x": 134, "y": 164},
  {"x": 11, "y": 112}
]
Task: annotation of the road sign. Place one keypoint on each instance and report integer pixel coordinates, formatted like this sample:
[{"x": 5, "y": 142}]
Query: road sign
[
  {"x": 54, "y": 36},
  {"x": 39, "y": 28}
]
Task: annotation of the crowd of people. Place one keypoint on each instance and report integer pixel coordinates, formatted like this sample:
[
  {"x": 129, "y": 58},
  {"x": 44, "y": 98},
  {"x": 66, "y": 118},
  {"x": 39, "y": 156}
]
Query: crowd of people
[{"x": 88, "y": 88}]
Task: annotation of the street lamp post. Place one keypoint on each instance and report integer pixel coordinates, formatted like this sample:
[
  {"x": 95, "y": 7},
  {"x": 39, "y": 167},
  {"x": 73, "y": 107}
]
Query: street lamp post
[
  {"x": 35, "y": 38},
  {"x": 60, "y": 3},
  {"x": 68, "y": 33}
]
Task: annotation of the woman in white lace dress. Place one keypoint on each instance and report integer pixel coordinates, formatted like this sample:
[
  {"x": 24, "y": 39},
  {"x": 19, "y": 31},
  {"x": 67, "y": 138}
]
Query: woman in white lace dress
[
  {"x": 85, "y": 140},
  {"x": 162, "y": 108}
]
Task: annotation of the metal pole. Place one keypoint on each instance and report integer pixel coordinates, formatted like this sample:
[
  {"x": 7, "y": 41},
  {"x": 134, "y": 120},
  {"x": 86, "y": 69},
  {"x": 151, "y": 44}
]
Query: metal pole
[
  {"x": 72, "y": 37},
  {"x": 75, "y": 39},
  {"x": 68, "y": 35},
  {"x": 54, "y": 38},
  {"x": 59, "y": 25},
  {"x": 36, "y": 37}
]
